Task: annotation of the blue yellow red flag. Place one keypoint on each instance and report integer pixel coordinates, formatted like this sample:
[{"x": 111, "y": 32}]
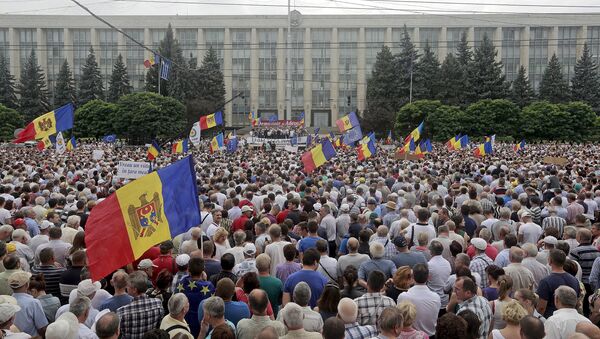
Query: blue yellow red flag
[
  {"x": 211, "y": 120},
  {"x": 520, "y": 146},
  {"x": 216, "y": 143},
  {"x": 180, "y": 146},
  {"x": 61, "y": 119},
  {"x": 318, "y": 155},
  {"x": 153, "y": 150},
  {"x": 483, "y": 149},
  {"x": 347, "y": 122},
  {"x": 415, "y": 134},
  {"x": 71, "y": 144},
  {"x": 366, "y": 150}
]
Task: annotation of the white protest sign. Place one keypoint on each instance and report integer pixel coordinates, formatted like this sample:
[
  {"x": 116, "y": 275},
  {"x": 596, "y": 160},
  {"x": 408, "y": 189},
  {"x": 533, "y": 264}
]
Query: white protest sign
[
  {"x": 132, "y": 169},
  {"x": 291, "y": 149},
  {"x": 97, "y": 154}
]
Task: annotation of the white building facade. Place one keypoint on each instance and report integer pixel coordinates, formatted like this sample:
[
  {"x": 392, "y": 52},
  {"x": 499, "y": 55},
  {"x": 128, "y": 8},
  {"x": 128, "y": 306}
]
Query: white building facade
[{"x": 331, "y": 56}]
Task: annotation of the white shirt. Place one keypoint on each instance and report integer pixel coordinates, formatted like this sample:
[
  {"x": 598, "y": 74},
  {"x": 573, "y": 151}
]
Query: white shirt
[
  {"x": 238, "y": 253},
  {"x": 429, "y": 229},
  {"x": 531, "y": 232},
  {"x": 452, "y": 279},
  {"x": 85, "y": 333},
  {"x": 4, "y": 215},
  {"x": 37, "y": 241},
  {"x": 487, "y": 223},
  {"x": 330, "y": 264},
  {"x": 562, "y": 323},
  {"x": 275, "y": 251},
  {"x": 428, "y": 306},
  {"x": 439, "y": 272},
  {"x": 212, "y": 228}
]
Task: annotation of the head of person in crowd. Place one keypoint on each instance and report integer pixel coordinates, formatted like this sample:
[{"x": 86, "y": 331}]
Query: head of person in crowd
[
  {"x": 258, "y": 301},
  {"x": 451, "y": 326},
  {"x": 107, "y": 326},
  {"x": 347, "y": 310},
  {"x": 333, "y": 328},
  {"x": 178, "y": 306},
  {"x": 391, "y": 322},
  {"x": 329, "y": 298},
  {"x": 565, "y": 297},
  {"x": 302, "y": 294},
  {"x": 473, "y": 323},
  {"x": 527, "y": 298},
  {"x": 137, "y": 284},
  {"x": 465, "y": 288},
  {"x": 532, "y": 328},
  {"x": 403, "y": 278},
  {"x": 420, "y": 273}
]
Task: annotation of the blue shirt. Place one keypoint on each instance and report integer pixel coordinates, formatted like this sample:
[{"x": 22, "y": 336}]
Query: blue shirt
[
  {"x": 115, "y": 302},
  {"x": 234, "y": 311},
  {"x": 550, "y": 283},
  {"x": 32, "y": 227},
  {"x": 470, "y": 225},
  {"x": 31, "y": 317},
  {"x": 308, "y": 242},
  {"x": 315, "y": 280}
]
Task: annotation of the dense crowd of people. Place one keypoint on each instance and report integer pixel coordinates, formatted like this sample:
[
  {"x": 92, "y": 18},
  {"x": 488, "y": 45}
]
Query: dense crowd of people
[
  {"x": 278, "y": 132},
  {"x": 449, "y": 246}
]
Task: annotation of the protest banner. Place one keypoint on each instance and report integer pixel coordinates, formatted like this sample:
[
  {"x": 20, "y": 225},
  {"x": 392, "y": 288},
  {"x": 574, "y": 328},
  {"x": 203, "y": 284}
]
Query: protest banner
[{"x": 132, "y": 169}]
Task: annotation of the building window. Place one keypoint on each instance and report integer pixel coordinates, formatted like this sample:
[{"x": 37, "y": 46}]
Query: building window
[
  {"x": 453, "y": 36},
  {"x": 375, "y": 39},
  {"x": 188, "y": 41},
  {"x": 429, "y": 36},
  {"x": 267, "y": 71},
  {"x": 240, "y": 50},
  {"x": 109, "y": 50},
  {"x": 321, "y": 68},
  {"x": 55, "y": 46},
  {"x": 567, "y": 50},
  {"x": 157, "y": 36},
  {"x": 135, "y": 59},
  {"x": 511, "y": 52},
  {"x": 593, "y": 40},
  {"x": 481, "y": 32},
  {"x": 27, "y": 43},
  {"x": 81, "y": 48},
  {"x": 4, "y": 45},
  {"x": 538, "y": 54},
  {"x": 297, "y": 60},
  {"x": 215, "y": 39},
  {"x": 347, "y": 70}
]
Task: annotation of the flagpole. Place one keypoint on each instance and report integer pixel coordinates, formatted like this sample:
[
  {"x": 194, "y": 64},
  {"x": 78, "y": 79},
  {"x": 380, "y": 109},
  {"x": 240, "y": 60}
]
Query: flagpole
[{"x": 159, "y": 69}]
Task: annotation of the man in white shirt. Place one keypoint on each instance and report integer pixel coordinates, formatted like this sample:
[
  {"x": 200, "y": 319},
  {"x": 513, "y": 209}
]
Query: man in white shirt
[
  {"x": 421, "y": 226},
  {"x": 439, "y": 271},
  {"x": 5, "y": 217},
  {"x": 80, "y": 307},
  {"x": 275, "y": 248},
  {"x": 564, "y": 320},
  {"x": 327, "y": 265},
  {"x": 529, "y": 232},
  {"x": 214, "y": 225},
  {"x": 428, "y": 303},
  {"x": 328, "y": 224}
]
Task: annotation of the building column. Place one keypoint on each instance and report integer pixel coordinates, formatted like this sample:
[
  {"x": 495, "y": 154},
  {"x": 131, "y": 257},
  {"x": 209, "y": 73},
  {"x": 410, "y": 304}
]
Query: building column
[
  {"x": 227, "y": 76},
  {"x": 42, "y": 51},
  {"x": 122, "y": 48},
  {"x": 94, "y": 39},
  {"x": 553, "y": 42},
  {"x": 201, "y": 47},
  {"x": 307, "y": 83},
  {"x": 525, "y": 35},
  {"x": 68, "y": 41},
  {"x": 443, "y": 44},
  {"x": 497, "y": 41},
  {"x": 334, "y": 67},
  {"x": 281, "y": 72},
  {"x": 254, "y": 81},
  {"x": 15, "y": 62},
  {"x": 416, "y": 37},
  {"x": 361, "y": 76},
  {"x": 581, "y": 36},
  {"x": 387, "y": 38}
]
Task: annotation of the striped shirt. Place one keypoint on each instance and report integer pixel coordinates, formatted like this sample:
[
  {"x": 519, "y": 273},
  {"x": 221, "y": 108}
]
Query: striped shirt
[
  {"x": 585, "y": 254},
  {"x": 51, "y": 276},
  {"x": 556, "y": 222}
]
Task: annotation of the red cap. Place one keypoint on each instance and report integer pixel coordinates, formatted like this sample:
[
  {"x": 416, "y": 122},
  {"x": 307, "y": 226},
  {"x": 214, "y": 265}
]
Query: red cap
[{"x": 19, "y": 221}]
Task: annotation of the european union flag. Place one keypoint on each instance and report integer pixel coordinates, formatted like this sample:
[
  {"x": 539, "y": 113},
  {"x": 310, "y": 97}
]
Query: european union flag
[
  {"x": 273, "y": 118},
  {"x": 352, "y": 135},
  {"x": 165, "y": 67},
  {"x": 109, "y": 138},
  {"x": 232, "y": 145}
]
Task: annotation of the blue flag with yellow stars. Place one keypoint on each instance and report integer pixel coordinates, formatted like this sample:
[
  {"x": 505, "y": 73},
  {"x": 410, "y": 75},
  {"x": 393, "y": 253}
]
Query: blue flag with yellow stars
[{"x": 195, "y": 291}]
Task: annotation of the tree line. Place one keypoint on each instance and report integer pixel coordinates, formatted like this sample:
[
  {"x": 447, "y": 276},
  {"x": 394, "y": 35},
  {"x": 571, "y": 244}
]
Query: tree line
[{"x": 470, "y": 79}]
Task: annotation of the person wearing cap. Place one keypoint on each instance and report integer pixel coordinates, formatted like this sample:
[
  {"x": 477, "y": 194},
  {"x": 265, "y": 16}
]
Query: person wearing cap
[
  {"x": 88, "y": 289},
  {"x": 239, "y": 224},
  {"x": 165, "y": 260},
  {"x": 195, "y": 289},
  {"x": 120, "y": 298},
  {"x": 548, "y": 243},
  {"x": 41, "y": 238},
  {"x": 249, "y": 263},
  {"x": 64, "y": 327},
  {"x": 31, "y": 318},
  {"x": 147, "y": 266},
  {"x": 529, "y": 232},
  {"x": 143, "y": 313},
  {"x": 391, "y": 214},
  {"x": 480, "y": 261},
  {"x": 181, "y": 261},
  {"x": 8, "y": 310}
]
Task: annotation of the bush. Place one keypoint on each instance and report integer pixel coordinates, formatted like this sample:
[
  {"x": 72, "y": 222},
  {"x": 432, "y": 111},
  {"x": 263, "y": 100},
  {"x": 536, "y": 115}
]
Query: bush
[{"x": 10, "y": 120}]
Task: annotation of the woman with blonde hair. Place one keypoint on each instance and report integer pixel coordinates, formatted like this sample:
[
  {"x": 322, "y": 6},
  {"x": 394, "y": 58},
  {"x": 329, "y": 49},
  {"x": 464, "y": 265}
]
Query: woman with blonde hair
[
  {"x": 528, "y": 299},
  {"x": 221, "y": 243},
  {"x": 402, "y": 281},
  {"x": 409, "y": 314},
  {"x": 512, "y": 313},
  {"x": 504, "y": 289}
]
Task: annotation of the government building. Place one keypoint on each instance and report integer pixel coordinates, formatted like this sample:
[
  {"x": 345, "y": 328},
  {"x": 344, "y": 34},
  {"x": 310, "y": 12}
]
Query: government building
[{"x": 331, "y": 56}]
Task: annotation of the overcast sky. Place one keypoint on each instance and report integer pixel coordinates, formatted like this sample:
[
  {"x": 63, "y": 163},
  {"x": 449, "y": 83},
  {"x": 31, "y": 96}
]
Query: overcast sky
[{"x": 256, "y": 7}]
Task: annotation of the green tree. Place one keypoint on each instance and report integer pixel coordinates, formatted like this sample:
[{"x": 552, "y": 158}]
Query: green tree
[
  {"x": 169, "y": 49},
  {"x": 411, "y": 115},
  {"x": 33, "y": 94},
  {"x": 380, "y": 92},
  {"x": 94, "y": 119},
  {"x": 118, "y": 84},
  {"x": 582, "y": 120},
  {"x": 521, "y": 92},
  {"x": 10, "y": 120},
  {"x": 90, "y": 85},
  {"x": 487, "y": 117},
  {"x": 209, "y": 88},
  {"x": 543, "y": 120},
  {"x": 404, "y": 65},
  {"x": 487, "y": 73},
  {"x": 8, "y": 97},
  {"x": 180, "y": 84},
  {"x": 426, "y": 79},
  {"x": 553, "y": 87},
  {"x": 464, "y": 56},
  {"x": 64, "y": 92},
  {"x": 445, "y": 122},
  {"x": 142, "y": 117},
  {"x": 451, "y": 82},
  {"x": 585, "y": 84}
]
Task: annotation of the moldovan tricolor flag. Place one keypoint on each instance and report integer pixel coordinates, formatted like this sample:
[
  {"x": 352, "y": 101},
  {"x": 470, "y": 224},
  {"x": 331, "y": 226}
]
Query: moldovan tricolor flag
[
  {"x": 347, "y": 122},
  {"x": 61, "y": 119},
  {"x": 211, "y": 120},
  {"x": 317, "y": 156},
  {"x": 152, "y": 209}
]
